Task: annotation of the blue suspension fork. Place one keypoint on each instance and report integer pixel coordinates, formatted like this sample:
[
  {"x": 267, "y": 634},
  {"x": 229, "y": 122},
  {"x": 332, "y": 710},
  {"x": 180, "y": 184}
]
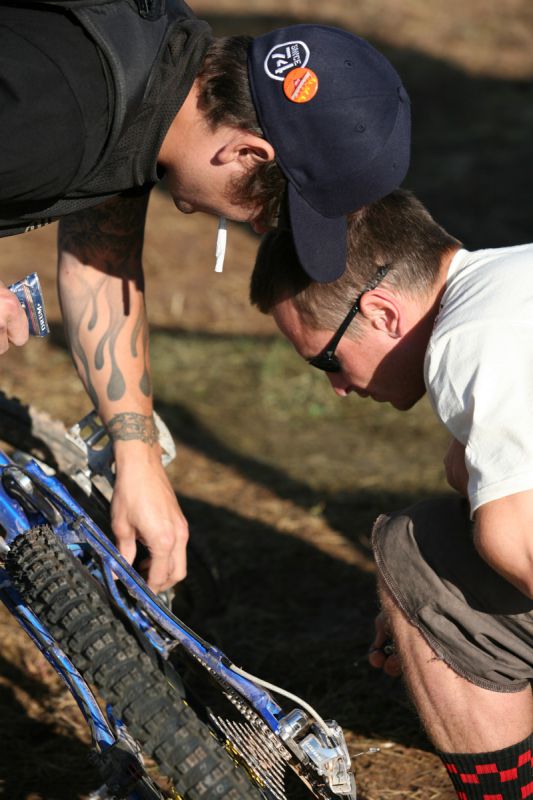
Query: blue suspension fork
[
  {"x": 16, "y": 522},
  {"x": 101, "y": 732}
]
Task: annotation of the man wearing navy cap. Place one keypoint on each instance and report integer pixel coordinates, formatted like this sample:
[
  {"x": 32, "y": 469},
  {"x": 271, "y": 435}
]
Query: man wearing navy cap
[
  {"x": 99, "y": 101},
  {"x": 338, "y": 118}
]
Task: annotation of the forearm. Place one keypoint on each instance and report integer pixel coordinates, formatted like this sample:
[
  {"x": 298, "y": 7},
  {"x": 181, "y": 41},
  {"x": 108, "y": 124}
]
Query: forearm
[{"x": 102, "y": 298}]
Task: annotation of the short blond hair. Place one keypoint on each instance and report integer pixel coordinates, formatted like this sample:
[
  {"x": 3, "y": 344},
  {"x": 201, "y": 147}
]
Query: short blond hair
[{"x": 397, "y": 230}]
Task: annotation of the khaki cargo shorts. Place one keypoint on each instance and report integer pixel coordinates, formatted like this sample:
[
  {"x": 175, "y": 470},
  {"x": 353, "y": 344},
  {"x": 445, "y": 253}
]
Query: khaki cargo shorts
[{"x": 472, "y": 618}]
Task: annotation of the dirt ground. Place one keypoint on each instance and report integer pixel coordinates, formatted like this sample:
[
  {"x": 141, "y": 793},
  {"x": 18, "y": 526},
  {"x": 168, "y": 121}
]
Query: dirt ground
[{"x": 280, "y": 481}]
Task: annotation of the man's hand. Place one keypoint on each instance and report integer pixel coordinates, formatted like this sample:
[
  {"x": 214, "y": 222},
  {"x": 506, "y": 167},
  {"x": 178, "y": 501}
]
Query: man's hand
[
  {"x": 13, "y": 321},
  {"x": 454, "y": 464},
  {"x": 144, "y": 508},
  {"x": 378, "y": 655}
]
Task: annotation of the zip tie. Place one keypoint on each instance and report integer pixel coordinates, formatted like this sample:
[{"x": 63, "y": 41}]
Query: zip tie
[{"x": 220, "y": 248}]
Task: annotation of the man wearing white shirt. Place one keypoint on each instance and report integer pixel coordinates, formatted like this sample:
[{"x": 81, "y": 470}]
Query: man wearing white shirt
[{"x": 415, "y": 312}]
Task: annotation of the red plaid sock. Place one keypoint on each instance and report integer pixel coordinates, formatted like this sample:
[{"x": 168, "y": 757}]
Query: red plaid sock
[{"x": 504, "y": 775}]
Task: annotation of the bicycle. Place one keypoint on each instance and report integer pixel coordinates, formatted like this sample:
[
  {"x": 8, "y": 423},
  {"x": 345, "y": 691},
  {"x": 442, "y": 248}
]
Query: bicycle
[{"x": 213, "y": 729}]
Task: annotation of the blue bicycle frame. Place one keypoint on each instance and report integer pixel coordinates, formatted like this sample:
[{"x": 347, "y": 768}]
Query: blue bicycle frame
[
  {"x": 126, "y": 778},
  {"x": 30, "y": 497}
]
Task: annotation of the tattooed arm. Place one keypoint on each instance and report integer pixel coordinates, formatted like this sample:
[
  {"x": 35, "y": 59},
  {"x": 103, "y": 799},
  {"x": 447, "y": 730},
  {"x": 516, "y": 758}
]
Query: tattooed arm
[{"x": 102, "y": 298}]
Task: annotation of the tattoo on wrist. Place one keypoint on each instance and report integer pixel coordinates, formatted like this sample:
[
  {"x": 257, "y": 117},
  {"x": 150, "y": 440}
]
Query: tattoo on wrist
[{"x": 133, "y": 426}]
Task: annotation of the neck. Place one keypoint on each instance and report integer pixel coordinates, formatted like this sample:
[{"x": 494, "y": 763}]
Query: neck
[
  {"x": 183, "y": 127},
  {"x": 418, "y": 336},
  {"x": 439, "y": 286}
]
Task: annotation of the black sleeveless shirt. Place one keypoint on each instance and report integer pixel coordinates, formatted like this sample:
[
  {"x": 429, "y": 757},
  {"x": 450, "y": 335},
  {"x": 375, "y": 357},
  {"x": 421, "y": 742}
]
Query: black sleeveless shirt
[{"x": 87, "y": 94}]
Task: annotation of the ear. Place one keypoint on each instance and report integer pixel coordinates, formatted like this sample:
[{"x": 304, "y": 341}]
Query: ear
[
  {"x": 383, "y": 311},
  {"x": 245, "y": 147}
]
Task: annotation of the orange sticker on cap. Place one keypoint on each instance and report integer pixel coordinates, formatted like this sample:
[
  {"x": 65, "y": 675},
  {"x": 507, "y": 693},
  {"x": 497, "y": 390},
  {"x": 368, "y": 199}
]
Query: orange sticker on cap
[{"x": 300, "y": 84}]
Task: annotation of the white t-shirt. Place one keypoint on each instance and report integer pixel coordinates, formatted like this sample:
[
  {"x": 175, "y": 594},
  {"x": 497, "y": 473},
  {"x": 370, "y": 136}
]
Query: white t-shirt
[{"x": 479, "y": 368}]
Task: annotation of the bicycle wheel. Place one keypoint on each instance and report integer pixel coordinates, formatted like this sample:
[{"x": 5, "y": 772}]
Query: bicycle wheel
[{"x": 67, "y": 600}]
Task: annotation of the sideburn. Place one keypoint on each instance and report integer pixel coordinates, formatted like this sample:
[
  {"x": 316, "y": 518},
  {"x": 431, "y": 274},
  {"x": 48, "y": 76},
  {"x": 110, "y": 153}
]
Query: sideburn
[{"x": 263, "y": 187}]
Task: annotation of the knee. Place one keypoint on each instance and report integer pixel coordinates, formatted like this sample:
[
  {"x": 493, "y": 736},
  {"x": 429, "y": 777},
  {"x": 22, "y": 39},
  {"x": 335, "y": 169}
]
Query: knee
[
  {"x": 396, "y": 622},
  {"x": 390, "y": 609}
]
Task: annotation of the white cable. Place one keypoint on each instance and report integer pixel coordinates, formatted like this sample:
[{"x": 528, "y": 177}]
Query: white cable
[
  {"x": 278, "y": 690},
  {"x": 220, "y": 248}
]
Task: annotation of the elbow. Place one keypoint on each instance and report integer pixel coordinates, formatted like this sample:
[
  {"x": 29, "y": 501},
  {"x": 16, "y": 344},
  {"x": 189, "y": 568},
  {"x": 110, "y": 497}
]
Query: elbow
[
  {"x": 525, "y": 583},
  {"x": 502, "y": 537},
  {"x": 518, "y": 571}
]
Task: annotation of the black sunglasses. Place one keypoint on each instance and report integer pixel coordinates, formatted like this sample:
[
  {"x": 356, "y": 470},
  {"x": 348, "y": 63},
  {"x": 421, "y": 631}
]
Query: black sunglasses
[{"x": 326, "y": 360}]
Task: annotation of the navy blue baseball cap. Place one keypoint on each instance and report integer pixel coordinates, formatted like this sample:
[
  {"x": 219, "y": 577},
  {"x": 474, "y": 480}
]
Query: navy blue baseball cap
[{"x": 338, "y": 117}]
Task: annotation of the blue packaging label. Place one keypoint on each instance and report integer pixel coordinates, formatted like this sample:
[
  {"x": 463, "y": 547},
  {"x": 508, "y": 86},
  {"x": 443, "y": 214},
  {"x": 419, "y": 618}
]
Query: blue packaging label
[{"x": 28, "y": 291}]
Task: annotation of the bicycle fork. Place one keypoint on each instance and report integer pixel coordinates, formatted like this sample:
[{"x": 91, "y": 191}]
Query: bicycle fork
[{"x": 114, "y": 752}]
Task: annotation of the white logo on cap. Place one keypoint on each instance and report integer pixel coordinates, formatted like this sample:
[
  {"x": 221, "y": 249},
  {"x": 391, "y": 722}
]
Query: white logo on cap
[{"x": 284, "y": 57}]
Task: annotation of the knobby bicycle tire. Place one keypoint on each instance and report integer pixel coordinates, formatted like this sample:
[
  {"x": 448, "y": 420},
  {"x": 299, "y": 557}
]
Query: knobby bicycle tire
[{"x": 62, "y": 594}]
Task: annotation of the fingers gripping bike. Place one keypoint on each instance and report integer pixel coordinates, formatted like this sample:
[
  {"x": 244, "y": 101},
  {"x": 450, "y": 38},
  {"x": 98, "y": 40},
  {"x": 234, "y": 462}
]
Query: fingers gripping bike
[{"x": 213, "y": 729}]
